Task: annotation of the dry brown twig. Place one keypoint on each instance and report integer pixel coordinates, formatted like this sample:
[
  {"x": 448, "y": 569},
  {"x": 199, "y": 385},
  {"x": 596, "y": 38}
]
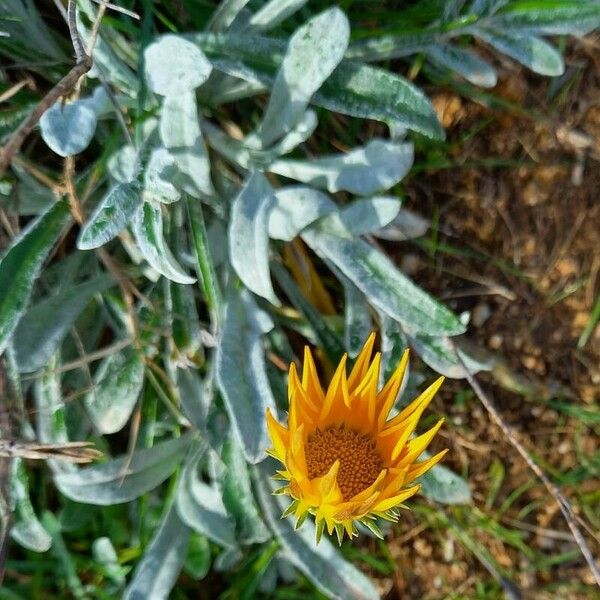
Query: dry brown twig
[{"x": 553, "y": 490}]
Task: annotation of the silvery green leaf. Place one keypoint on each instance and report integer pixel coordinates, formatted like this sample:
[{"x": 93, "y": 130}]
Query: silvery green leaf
[
  {"x": 393, "y": 344},
  {"x": 181, "y": 135},
  {"x": 36, "y": 337},
  {"x": 33, "y": 198},
  {"x": 407, "y": 225},
  {"x": 357, "y": 318},
  {"x": 111, "y": 216},
  {"x": 551, "y": 18},
  {"x": 241, "y": 153},
  {"x": 366, "y": 170},
  {"x": 386, "y": 47},
  {"x": 123, "y": 165},
  {"x": 384, "y": 285},
  {"x": 117, "y": 385},
  {"x": 105, "y": 59},
  {"x": 353, "y": 89},
  {"x": 313, "y": 52},
  {"x": 186, "y": 330},
  {"x": 122, "y": 480},
  {"x": 173, "y": 65},
  {"x": 273, "y": 13},
  {"x": 238, "y": 498},
  {"x": 99, "y": 102},
  {"x": 157, "y": 572},
  {"x": 160, "y": 171},
  {"x": 200, "y": 506},
  {"x": 104, "y": 553},
  {"x": 297, "y": 207},
  {"x": 438, "y": 353},
  {"x": 529, "y": 50},
  {"x": 486, "y": 7},
  {"x": 322, "y": 563},
  {"x": 225, "y": 14},
  {"x": 27, "y": 530},
  {"x": 442, "y": 485},
  {"x": 249, "y": 238},
  {"x": 241, "y": 373},
  {"x": 198, "y": 559},
  {"x": 51, "y": 426},
  {"x": 68, "y": 128},
  {"x": 194, "y": 400},
  {"x": 363, "y": 216},
  {"x": 303, "y": 129},
  {"x": 148, "y": 232},
  {"x": 465, "y": 63},
  {"x": 21, "y": 263}
]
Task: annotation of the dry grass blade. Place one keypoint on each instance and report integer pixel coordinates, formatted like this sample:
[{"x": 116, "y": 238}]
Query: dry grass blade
[
  {"x": 77, "y": 452},
  {"x": 563, "y": 503}
]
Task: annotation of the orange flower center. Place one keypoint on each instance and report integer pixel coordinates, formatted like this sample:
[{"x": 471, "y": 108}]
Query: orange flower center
[{"x": 360, "y": 463}]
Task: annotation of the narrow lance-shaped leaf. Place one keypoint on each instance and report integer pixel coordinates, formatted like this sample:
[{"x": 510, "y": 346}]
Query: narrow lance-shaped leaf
[
  {"x": 529, "y": 50},
  {"x": 375, "y": 167},
  {"x": 27, "y": 530},
  {"x": 157, "y": 572},
  {"x": 465, "y": 63},
  {"x": 111, "y": 216},
  {"x": 439, "y": 354},
  {"x": 205, "y": 268},
  {"x": 37, "y": 338},
  {"x": 21, "y": 264},
  {"x": 357, "y": 318},
  {"x": 181, "y": 135},
  {"x": 295, "y": 208},
  {"x": 353, "y": 89},
  {"x": 117, "y": 385},
  {"x": 148, "y": 232},
  {"x": 241, "y": 373},
  {"x": 361, "y": 217},
  {"x": 552, "y": 17},
  {"x": 109, "y": 483},
  {"x": 238, "y": 498},
  {"x": 384, "y": 285},
  {"x": 249, "y": 238},
  {"x": 314, "y": 50},
  {"x": 273, "y": 13},
  {"x": 200, "y": 506}
]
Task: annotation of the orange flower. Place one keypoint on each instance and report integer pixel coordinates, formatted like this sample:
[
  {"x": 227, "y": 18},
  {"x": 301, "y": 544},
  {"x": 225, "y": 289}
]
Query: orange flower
[{"x": 345, "y": 461}]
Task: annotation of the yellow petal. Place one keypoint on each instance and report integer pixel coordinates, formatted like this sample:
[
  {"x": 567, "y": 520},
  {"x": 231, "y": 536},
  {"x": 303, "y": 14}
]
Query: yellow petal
[
  {"x": 279, "y": 436},
  {"x": 396, "y": 500},
  {"x": 419, "y": 403},
  {"x": 387, "y": 396},
  {"x": 328, "y": 484},
  {"x": 416, "y": 446},
  {"x": 362, "y": 363},
  {"x": 365, "y": 392},
  {"x": 374, "y": 487},
  {"x": 395, "y": 482},
  {"x": 417, "y": 469},
  {"x": 337, "y": 392},
  {"x": 310, "y": 378}
]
